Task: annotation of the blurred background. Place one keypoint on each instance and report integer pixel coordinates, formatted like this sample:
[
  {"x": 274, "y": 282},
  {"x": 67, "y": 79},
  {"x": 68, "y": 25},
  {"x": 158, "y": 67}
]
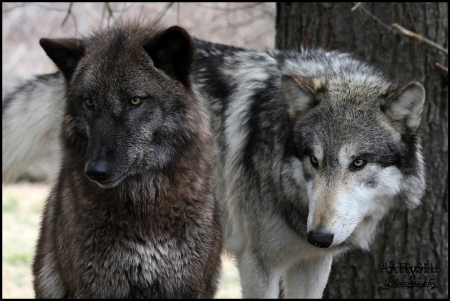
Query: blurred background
[{"x": 250, "y": 25}]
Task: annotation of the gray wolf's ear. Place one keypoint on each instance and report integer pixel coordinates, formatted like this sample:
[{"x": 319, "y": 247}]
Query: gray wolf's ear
[
  {"x": 404, "y": 105},
  {"x": 172, "y": 51},
  {"x": 301, "y": 92},
  {"x": 65, "y": 53}
]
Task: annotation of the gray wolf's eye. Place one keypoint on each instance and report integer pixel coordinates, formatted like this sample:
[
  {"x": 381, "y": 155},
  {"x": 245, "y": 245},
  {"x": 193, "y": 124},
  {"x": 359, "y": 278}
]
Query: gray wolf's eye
[
  {"x": 357, "y": 164},
  {"x": 89, "y": 103},
  {"x": 314, "y": 161},
  {"x": 135, "y": 101}
]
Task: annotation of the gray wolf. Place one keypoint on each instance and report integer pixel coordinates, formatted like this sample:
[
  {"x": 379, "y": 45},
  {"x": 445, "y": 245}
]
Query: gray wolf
[
  {"x": 132, "y": 214},
  {"x": 35, "y": 134},
  {"x": 314, "y": 150}
]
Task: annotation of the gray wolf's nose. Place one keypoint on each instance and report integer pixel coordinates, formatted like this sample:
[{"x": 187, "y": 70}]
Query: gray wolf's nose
[{"x": 320, "y": 239}]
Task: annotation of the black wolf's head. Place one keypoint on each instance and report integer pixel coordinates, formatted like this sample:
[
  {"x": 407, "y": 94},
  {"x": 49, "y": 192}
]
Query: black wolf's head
[{"x": 130, "y": 105}]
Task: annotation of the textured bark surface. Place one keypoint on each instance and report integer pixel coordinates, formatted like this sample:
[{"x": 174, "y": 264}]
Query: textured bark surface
[{"x": 419, "y": 236}]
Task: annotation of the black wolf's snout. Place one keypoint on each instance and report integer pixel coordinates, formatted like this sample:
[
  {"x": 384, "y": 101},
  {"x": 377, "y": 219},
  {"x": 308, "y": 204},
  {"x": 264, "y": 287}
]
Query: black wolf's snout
[
  {"x": 97, "y": 170},
  {"x": 320, "y": 239}
]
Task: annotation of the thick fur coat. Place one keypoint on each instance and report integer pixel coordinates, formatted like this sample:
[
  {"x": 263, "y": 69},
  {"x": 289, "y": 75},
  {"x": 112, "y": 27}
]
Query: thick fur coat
[
  {"x": 133, "y": 213},
  {"x": 313, "y": 150}
]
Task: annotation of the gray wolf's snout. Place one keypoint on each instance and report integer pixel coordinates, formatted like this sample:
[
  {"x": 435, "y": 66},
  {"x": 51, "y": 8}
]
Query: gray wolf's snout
[
  {"x": 97, "y": 170},
  {"x": 320, "y": 239}
]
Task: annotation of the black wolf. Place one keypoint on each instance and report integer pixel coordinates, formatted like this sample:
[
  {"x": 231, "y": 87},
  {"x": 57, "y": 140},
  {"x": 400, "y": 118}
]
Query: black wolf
[{"x": 132, "y": 214}]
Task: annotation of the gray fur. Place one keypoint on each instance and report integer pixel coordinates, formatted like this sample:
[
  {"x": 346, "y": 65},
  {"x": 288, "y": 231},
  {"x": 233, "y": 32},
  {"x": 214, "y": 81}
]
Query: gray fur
[{"x": 271, "y": 111}]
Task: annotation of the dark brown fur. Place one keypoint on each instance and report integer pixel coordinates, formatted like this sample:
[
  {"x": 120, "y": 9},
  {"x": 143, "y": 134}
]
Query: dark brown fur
[{"x": 146, "y": 225}]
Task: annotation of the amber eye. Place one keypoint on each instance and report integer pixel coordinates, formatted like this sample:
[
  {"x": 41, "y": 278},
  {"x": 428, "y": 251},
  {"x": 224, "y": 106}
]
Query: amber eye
[
  {"x": 89, "y": 103},
  {"x": 135, "y": 101}
]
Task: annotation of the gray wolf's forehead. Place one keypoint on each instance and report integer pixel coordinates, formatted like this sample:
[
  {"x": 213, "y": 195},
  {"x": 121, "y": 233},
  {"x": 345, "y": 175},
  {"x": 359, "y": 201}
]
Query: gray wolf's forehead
[{"x": 369, "y": 143}]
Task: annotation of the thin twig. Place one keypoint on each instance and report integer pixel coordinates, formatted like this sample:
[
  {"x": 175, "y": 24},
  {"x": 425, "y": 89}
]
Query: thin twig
[
  {"x": 162, "y": 13},
  {"x": 106, "y": 7},
  {"x": 356, "y": 6},
  {"x": 361, "y": 7},
  {"x": 124, "y": 9},
  {"x": 400, "y": 28},
  {"x": 418, "y": 37},
  {"x": 69, "y": 12},
  {"x": 441, "y": 66},
  {"x": 109, "y": 11}
]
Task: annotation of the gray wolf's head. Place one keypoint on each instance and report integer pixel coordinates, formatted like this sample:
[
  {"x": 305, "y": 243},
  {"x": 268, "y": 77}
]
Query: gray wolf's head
[
  {"x": 130, "y": 107},
  {"x": 357, "y": 137}
]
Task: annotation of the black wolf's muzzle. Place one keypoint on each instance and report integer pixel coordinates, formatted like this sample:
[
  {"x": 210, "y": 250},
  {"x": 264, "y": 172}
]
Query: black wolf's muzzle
[
  {"x": 97, "y": 171},
  {"x": 320, "y": 239}
]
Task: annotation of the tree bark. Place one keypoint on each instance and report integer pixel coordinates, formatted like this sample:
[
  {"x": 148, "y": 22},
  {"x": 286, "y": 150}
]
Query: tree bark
[{"x": 413, "y": 237}]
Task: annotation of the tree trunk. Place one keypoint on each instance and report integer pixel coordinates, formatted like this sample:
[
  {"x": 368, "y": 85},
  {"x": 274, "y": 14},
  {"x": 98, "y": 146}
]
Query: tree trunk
[{"x": 415, "y": 237}]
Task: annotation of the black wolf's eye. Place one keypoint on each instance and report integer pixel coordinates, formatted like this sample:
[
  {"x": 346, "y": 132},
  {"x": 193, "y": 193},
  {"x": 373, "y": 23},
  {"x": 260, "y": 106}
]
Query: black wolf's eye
[
  {"x": 314, "y": 161},
  {"x": 89, "y": 103},
  {"x": 357, "y": 164},
  {"x": 135, "y": 101}
]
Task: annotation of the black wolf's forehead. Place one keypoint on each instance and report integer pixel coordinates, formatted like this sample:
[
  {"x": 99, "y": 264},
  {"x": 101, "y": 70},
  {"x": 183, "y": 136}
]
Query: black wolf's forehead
[
  {"x": 105, "y": 77},
  {"x": 119, "y": 47},
  {"x": 121, "y": 36}
]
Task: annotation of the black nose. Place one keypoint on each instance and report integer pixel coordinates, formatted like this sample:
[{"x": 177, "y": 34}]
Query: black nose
[
  {"x": 97, "y": 170},
  {"x": 320, "y": 239}
]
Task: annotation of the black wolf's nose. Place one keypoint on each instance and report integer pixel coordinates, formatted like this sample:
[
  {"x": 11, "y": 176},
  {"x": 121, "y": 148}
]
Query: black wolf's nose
[
  {"x": 320, "y": 239},
  {"x": 97, "y": 170}
]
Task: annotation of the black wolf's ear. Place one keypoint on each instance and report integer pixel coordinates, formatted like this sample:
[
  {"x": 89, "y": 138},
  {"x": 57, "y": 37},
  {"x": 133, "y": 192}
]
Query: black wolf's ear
[
  {"x": 65, "y": 53},
  {"x": 404, "y": 105},
  {"x": 172, "y": 51},
  {"x": 301, "y": 92}
]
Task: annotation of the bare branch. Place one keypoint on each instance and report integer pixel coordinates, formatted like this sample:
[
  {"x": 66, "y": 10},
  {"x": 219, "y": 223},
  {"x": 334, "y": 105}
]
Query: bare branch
[
  {"x": 124, "y": 9},
  {"x": 163, "y": 12},
  {"x": 356, "y": 6},
  {"x": 361, "y": 7},
  {"x": 106, "y": 7},
  {"x": 441, "y": 66},
  {"x": 399, "y": 28},
  {"x": 109, "y": 11},
  {"x": 418, "y": 37},
  {"x": 69, "y": 12}
]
